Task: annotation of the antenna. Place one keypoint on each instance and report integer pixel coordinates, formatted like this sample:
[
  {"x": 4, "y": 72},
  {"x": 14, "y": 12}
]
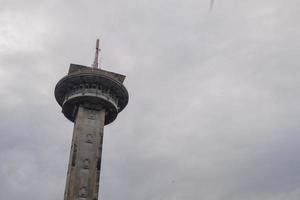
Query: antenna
[{"x": 96, "y": 63}]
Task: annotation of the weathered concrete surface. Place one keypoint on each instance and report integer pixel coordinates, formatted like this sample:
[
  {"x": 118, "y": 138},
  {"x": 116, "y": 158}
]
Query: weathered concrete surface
[
  {"x": 91, "y": 98},
  {"x": 85, "y": 157}
]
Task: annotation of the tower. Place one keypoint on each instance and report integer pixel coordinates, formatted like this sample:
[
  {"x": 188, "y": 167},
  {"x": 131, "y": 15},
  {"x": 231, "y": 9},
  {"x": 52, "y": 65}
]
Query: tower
[{"x": 91, "y": 98}]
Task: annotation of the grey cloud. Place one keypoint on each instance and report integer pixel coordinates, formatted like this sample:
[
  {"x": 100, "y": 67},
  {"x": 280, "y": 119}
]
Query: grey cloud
[{"x": 213, "y": 111}]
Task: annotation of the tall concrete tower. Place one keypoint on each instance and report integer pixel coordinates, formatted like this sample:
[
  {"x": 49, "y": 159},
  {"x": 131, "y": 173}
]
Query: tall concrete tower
[{"x": 91, "y": 98}]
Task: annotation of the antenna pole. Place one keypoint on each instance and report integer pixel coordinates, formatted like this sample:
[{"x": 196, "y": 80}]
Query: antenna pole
[{"x": 96, "y": 63}]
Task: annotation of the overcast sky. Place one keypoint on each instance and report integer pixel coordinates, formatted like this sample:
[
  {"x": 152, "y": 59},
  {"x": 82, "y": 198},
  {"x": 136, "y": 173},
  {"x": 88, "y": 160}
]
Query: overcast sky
[{"x": 214, "y": 100}]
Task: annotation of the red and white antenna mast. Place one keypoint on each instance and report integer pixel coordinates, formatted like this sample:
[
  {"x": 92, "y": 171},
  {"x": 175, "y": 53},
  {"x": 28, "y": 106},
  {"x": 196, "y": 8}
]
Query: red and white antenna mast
[{"x": 96, "y": 60}]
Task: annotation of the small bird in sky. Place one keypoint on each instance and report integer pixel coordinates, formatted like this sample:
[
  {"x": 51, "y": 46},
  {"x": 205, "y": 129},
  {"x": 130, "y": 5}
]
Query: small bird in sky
[{"x": 212, "y": 2}]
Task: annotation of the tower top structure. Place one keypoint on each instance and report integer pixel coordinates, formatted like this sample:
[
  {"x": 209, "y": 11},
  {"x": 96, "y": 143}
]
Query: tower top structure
[{"x": 92, "y": 86}]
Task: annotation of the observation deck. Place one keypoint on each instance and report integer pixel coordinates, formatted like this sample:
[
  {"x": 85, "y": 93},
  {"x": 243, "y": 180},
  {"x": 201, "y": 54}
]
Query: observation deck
[{"x": 92, "y": 88}]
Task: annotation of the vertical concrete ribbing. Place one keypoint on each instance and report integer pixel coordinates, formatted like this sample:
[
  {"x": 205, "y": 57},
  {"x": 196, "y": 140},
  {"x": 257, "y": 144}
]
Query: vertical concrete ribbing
[{"x": 85, "y": 157}]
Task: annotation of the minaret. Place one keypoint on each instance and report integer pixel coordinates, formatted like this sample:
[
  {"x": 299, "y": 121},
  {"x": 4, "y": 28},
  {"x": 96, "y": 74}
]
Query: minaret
[{"x": 91, "y": 98}]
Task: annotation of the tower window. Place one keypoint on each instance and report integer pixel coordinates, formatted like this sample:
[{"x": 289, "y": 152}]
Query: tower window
[
  {"x": 86, "y": 163},
  {"x": 89, "y": 138},
  {"x": 99, "y": 164}
]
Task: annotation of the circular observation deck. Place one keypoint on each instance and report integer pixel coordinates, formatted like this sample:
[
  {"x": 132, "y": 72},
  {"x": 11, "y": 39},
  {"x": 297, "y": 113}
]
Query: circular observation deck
[{"x": 93, "y": 88}]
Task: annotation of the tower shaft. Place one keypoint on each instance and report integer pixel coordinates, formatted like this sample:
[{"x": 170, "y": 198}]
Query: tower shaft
[
  {"x": 85, "y": 157},
  {"x": 91, "y": 98}
]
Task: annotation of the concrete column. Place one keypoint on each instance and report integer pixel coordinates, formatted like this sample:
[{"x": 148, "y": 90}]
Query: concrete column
[{"x": 85, "y": 157}]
